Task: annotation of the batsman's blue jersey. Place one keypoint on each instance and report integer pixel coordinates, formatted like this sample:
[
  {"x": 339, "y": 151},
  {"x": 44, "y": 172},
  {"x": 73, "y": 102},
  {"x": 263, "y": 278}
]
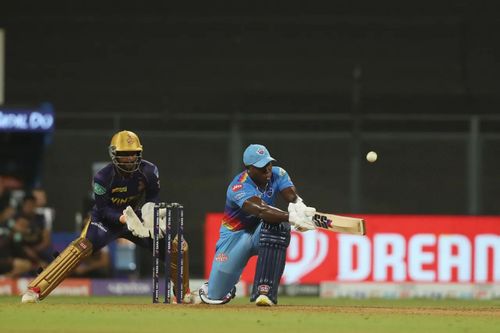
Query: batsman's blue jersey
[
  {"x": 240, "y": 232},
  {"x": 114, "y": 192},
  {"x": 242, "y": 188}
]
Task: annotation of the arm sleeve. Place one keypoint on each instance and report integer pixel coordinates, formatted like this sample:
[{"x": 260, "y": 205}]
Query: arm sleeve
[
  {"x": 283, "y": 179},
  {"x": 101, "y": 195},
  {"x": 239, "y": 193}
]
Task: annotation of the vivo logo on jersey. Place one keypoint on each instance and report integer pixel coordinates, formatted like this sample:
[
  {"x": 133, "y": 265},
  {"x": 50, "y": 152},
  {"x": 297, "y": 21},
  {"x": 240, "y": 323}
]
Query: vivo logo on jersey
[
  {"x": 123, "y": 201},
  {"x": 306, "y": 252},
  {"x": 237, "y": 187},
  {"x": 119, "y": 189}
]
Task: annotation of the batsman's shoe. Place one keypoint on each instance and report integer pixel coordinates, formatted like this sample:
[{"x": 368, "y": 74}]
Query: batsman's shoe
[
  {"x": 31, "y": 296},
  {"x": 203, "y": 292},
  {"x": 263, "y": 300}
]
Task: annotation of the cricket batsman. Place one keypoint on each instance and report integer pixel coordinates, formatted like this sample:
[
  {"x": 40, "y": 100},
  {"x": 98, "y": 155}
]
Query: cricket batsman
[
  {"x": 125, "y": 190},
  {"x": 253, "y": 226}
]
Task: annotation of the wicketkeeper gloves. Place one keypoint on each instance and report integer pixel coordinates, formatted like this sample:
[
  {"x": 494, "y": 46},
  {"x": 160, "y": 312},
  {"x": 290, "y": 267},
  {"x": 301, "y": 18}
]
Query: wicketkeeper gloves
[
  {"x": 147, "y": 212},
  {"x": 134, "y": 224}
]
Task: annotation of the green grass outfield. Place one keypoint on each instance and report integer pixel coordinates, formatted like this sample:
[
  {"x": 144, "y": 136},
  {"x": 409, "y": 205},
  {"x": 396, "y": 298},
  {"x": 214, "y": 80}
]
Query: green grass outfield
[{"x": 294, "y": 314}]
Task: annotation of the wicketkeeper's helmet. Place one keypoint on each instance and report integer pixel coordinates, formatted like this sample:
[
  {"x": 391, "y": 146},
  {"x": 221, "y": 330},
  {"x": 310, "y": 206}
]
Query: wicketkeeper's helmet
[{"x": 123, "y": 144}]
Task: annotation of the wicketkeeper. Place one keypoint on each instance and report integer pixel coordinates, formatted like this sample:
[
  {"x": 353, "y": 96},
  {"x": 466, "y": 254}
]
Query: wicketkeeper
[
  {"x": 253, "y": 226},
  {"x": 125, "y": 191}
]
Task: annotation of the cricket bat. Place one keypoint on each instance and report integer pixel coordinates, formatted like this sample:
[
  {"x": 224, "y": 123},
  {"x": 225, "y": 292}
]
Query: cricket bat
[{"x": 337, "y": 223}]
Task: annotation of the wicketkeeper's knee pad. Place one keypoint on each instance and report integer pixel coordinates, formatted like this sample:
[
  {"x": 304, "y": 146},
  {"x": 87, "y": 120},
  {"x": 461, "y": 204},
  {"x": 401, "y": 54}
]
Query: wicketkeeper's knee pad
[
  {"x": 274, "y": 240},
  {"x": 61, "y": 266}
]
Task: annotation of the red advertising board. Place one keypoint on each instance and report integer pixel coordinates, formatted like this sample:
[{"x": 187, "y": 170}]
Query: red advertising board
[
  {"x": 7, "y": 286},
  {"x": 397, "y": 248}
]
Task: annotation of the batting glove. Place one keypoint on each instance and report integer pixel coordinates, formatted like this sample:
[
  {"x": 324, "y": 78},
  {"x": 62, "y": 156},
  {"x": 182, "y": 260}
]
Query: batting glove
[{"x": 300, "y": 216}]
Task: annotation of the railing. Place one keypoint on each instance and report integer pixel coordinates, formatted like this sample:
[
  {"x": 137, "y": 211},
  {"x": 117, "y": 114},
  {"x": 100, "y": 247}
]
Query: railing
[{"x": 319, "y": 126}]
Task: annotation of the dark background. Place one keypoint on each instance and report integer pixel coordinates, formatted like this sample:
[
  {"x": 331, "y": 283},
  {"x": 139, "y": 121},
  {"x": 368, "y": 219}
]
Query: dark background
[{"x": 320, "y": 83}]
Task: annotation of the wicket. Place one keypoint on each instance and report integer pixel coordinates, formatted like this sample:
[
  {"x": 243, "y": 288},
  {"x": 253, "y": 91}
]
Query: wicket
[{"x": 174, "y": 213}]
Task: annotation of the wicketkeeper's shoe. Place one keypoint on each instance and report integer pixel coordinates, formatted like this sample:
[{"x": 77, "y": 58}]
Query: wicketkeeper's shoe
[
  {"x": 263, "y": 300},
  {"x": 32, "y": 295}
]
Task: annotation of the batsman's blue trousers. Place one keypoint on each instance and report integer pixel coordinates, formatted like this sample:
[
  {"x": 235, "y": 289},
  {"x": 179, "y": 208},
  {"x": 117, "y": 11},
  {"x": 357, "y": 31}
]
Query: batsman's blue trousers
[{"x": 232, "y": 252}]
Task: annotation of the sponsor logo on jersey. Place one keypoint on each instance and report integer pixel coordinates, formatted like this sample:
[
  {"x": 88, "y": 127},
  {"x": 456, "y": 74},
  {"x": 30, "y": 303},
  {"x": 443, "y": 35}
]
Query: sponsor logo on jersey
[
  {"x": 119, "y": 189},
  {"x": 282, "y": 172},
  {"x": 240, "y": 195},
  {"x": 237, "y": 187},
  {"x": 123, "y": 201},
  {"x": 99, "y": 189},
  {"x": 221, "y": 257}
]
